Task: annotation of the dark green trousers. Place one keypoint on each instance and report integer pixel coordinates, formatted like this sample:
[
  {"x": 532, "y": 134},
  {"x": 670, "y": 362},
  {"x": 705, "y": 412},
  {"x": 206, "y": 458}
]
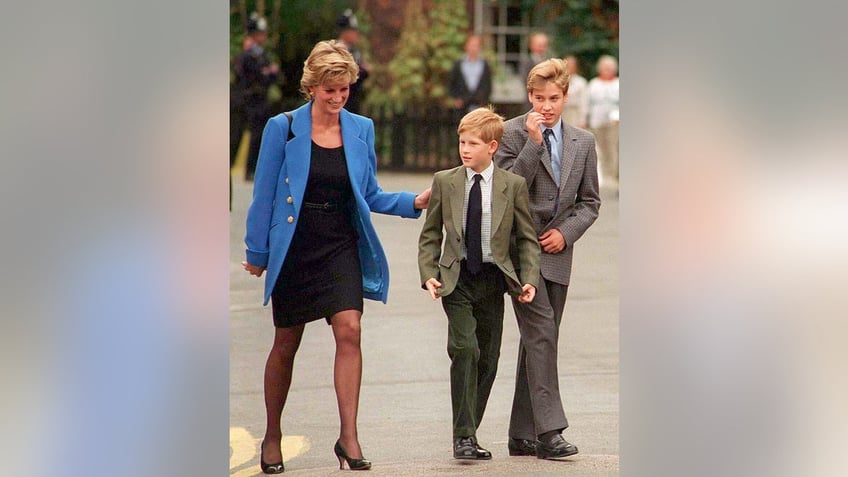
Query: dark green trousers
[{"x": 475, "y": 325}]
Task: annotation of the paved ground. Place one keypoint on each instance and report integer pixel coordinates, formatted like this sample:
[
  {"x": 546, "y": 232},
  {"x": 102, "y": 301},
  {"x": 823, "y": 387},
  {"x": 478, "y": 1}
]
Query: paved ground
[{"x": 405, "y": 416}]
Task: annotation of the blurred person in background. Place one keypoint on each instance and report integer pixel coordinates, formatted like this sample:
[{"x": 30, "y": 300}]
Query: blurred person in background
[
  {"x": 470, "y": 82},
  {"x": 238, "y": 114},
  {"x": 309, "y": 225},
  {"x": 559, "y": 163},
  {"x": 254, "y": 73},
  {"x": 577, "y": 107},
  {"x": 604, "y": 118},
  {"x": 349, "y": 37},
  {"x": 538, "y": 44}
]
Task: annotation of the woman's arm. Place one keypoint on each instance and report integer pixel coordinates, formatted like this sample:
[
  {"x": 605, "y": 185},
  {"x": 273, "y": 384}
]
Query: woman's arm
[
  {"x": 271, "y": 156},
  {"x": 390, "y": 203}
]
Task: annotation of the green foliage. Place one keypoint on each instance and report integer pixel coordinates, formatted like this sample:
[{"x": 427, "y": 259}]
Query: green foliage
[
  {"x": 586, "y": 29},
  {"x": 407, "y": 70},
  {"x": 428, "y": 46},
  {"x": 445, "y": 40}
]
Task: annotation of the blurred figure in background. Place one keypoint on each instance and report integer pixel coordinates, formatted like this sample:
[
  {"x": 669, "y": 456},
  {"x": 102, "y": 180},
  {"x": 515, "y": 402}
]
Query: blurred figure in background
[
  {"x": 254, "y": 73},
  {"x": 538, "y": 44},
  {"x": 577, "y": 107},
  {"x": 603, "y": 118},
  {"x": 349, "y": 37},
  {"x": 470, "y": 81}
]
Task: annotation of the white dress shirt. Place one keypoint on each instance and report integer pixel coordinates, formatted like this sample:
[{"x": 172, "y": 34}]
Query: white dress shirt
[{"x": 486, "y": 222}]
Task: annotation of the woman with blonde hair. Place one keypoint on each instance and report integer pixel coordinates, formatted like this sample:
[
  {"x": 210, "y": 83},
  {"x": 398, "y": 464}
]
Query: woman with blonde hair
[{"x": 309, "y": 226}]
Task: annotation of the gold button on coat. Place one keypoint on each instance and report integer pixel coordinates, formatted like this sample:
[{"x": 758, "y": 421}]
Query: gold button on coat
[
  {"x": 290, "y": 219},
  {"x": 289, "y": 200}
]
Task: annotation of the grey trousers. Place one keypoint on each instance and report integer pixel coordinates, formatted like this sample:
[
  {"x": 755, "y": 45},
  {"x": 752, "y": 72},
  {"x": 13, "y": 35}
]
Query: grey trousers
[{"x": 537, "y": 405}]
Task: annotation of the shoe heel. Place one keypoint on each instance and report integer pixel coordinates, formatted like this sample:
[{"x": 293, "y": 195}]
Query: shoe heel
[{"x": 352, "y": 464}]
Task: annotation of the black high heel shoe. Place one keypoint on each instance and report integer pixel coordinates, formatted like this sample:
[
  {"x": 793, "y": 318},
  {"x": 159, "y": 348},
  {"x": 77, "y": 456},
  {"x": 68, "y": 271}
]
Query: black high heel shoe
[
  {"x": 353, "y": 464},
  {"x": 277, "y": 468}
]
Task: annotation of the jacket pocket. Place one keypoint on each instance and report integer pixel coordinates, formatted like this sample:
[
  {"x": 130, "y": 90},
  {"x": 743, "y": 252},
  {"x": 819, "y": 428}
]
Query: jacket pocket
[{"x": 447, "y": 262}]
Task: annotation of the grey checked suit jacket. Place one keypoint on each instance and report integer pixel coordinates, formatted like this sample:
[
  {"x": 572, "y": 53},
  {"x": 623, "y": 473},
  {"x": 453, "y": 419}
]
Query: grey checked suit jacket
[{"x": 579, "y": 199}]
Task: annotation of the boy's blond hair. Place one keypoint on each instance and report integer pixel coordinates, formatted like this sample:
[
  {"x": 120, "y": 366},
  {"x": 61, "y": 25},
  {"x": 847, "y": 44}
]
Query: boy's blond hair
[
  {"x": 552, "y": 70},
  {"x": 483, "y": 122}
]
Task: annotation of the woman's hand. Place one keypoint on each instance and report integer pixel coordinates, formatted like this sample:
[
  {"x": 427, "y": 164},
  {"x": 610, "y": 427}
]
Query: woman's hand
[
  {"x": 254, "y": 270},
  {"x": 422, "y": 200}
]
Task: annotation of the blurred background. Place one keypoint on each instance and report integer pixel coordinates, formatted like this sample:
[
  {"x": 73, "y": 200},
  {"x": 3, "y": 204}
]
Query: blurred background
[{"x": 408, "y": 49}]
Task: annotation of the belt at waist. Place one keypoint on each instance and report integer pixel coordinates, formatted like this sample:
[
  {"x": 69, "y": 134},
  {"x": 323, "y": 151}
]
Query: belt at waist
[{"x": 326, "y": 206}]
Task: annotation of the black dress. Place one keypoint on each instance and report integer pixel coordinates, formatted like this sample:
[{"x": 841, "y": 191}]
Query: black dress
[{"x": 321, "y": 274}]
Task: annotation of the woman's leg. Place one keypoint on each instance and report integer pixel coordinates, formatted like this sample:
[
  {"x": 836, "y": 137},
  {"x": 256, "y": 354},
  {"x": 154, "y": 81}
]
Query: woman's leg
[
  {"x": 278, "y": 377},
  {"x": 348, "y": 376}
]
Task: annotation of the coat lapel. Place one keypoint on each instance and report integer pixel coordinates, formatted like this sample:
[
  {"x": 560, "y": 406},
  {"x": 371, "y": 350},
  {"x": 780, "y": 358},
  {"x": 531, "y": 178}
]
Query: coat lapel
[
  {"x": 568, "y": 153},
  {"x": 356, "y": 150},
  {"x": 299, "y": 152},
  {"x": 457, "y": 196},
  {"x": 546, "y": 158},
  {"x": 499, "y": 199}
]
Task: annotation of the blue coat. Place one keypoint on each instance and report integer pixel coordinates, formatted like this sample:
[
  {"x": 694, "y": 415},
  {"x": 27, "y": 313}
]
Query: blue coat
[{"x": 280, "y": 183}]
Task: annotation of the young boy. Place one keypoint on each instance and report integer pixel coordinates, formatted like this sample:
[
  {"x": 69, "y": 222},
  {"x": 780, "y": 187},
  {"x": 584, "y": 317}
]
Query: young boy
[{"x": 477, "y": 211}]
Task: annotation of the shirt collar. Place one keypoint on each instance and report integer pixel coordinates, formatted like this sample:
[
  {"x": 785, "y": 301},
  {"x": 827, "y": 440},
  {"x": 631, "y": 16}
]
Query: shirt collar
[
  {"x": 557, "y": 130},
  {"x": 487, "y": 173}
]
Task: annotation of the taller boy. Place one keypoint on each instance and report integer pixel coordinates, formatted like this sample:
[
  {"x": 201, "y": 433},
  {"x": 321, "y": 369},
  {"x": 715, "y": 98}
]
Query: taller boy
[{"x": 559, "y": 163}]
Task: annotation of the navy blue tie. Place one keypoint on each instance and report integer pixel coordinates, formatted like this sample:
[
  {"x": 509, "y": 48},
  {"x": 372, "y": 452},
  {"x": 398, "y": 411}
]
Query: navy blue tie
[
  {"x": 473, "y": 225},
  {"x": 547, "y": 136},
  {"x": 555, "y": 166}
]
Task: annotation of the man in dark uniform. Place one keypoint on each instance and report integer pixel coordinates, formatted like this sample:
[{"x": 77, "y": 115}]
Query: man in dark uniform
[
  {"x": 254, "y": 73},
  {"x": 349, "y": 35}
]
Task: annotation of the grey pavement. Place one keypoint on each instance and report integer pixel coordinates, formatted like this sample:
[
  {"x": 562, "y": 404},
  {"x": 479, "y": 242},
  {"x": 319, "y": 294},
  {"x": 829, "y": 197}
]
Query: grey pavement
[{"x": 405, "y": 413}]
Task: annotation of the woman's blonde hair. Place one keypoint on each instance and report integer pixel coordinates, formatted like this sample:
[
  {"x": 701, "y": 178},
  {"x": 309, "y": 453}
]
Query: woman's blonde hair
[
  {"x": 552, "y": 70},
  {"x": 329, "y": 62}
]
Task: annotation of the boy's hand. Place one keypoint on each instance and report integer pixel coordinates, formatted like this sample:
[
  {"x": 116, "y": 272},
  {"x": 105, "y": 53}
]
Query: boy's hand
[
  {"x": 533, "y": 123},
  {"x": 253, "y": 269},
  {"x": 552, "y": 241},
  {"x": 433, "y": 286},
  {"x": 528, "y": 292}
]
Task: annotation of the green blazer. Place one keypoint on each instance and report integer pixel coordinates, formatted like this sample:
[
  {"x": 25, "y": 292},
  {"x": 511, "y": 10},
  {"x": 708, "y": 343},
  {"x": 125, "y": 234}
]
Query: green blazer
[{"x": 511, "y": 224}]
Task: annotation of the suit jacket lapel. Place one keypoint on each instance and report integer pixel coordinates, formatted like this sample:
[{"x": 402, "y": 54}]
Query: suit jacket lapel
[
  {"x": 457, "y": 195},
  {"x": 568, "y": 153},
  {"x": 546, "y": 158},
  {"x": 499, "y": 199}
]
